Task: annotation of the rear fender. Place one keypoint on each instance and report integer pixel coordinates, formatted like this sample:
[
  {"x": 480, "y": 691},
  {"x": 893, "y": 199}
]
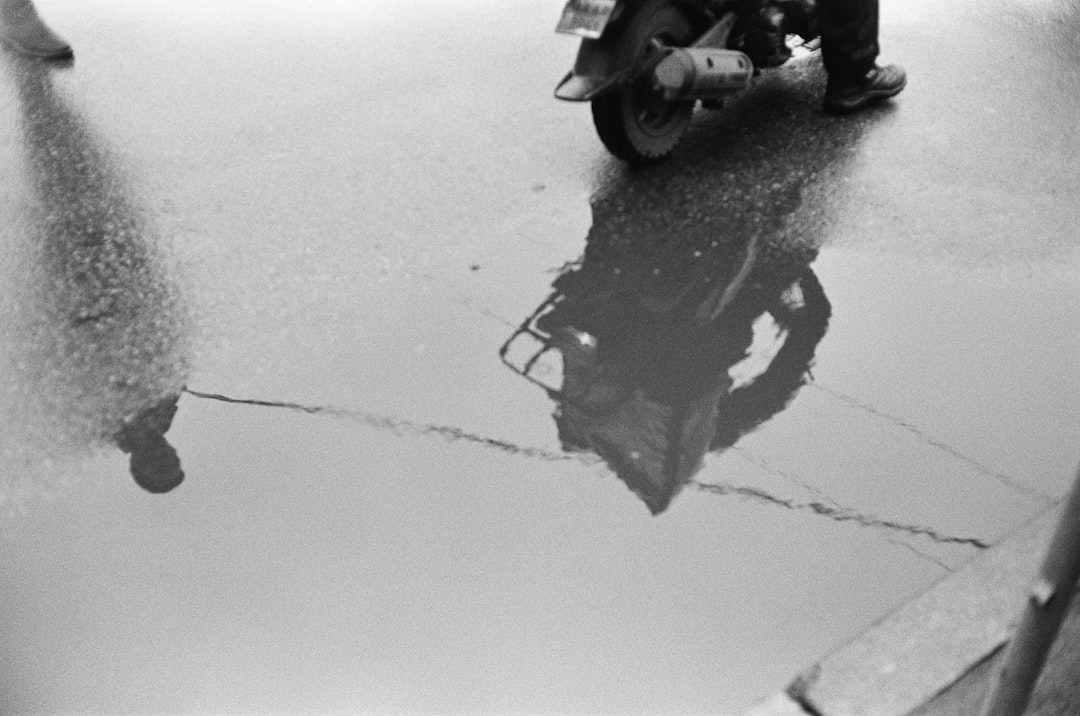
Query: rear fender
[
  {"x": 595, "y": 70},
  {"x": 598, "y": 67}
]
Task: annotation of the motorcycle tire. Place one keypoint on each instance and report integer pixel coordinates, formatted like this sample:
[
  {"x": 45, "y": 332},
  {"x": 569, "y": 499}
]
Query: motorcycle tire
[{"x": 635, "y": 122}]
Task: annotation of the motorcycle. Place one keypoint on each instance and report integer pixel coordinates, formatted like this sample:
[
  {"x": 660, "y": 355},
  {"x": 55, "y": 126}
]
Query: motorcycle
[{"x": 645, "y": 64}]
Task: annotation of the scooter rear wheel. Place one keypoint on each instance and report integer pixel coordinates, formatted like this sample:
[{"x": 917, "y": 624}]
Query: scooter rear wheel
[{"x": 635, "y": 122}]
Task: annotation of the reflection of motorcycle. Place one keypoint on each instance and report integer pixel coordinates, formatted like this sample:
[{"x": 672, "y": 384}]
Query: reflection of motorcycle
[
  {"x": 644, "y": 64},
  {"x": 661, "y": 364},
  {"x": 693, "y": 315}
]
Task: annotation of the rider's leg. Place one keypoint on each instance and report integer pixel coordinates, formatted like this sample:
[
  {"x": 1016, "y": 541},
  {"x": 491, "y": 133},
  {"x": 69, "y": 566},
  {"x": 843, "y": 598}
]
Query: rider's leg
[
  {"x": 23, "y": 30},
  {"x": 849, "y": 36},
  {"x": 849, "y": 47}
]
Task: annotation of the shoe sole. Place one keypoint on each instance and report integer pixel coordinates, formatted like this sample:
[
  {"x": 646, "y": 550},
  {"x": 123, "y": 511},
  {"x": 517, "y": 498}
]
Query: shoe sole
[
  {"x": 60, "y": 54},
  {"x": 846, "y": 106}
]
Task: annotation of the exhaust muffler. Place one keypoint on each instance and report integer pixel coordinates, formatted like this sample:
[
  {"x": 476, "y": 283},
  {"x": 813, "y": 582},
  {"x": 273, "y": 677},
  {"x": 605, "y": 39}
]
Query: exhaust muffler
[{"x": 702, "y": 73}]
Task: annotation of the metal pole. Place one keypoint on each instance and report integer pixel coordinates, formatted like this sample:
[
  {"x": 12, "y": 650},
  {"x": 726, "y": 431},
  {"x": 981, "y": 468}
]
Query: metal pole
[{"x": 1048, "y": 601}]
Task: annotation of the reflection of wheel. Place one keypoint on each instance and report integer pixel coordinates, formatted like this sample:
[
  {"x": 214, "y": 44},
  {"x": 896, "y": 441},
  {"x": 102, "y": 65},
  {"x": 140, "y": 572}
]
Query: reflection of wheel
[
  {"x": 743, "y": 409},
  {"x": 635, "y": 122}
]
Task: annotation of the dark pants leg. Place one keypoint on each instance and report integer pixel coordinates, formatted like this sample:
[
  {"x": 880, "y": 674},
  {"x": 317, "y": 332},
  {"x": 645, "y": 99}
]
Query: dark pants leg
[{"x": 849, "y": 37}]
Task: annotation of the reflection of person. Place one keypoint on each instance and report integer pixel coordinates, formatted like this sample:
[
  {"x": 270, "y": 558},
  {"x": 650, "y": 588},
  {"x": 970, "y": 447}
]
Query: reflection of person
[
  {"x": 23, "y": 30},
  {"x": 849, "y": 48},
  {"x": 154, "y": 462},
  {"x": 102, "y": 350}
]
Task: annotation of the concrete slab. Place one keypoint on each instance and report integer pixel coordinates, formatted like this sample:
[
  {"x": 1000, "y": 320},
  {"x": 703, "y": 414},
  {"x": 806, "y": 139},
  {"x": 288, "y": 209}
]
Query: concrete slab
[
  {"x": 930, "y": 644},
  {"x": 1057, "y": 693}
]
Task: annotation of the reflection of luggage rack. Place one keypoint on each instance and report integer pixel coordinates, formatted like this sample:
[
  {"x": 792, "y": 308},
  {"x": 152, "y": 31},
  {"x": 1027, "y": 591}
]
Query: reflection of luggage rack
[{"x": 527, "y": 360}]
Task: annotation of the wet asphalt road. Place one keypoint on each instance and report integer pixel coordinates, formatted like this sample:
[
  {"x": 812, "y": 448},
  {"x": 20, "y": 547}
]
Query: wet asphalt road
[{"x": 311, "y": 230}]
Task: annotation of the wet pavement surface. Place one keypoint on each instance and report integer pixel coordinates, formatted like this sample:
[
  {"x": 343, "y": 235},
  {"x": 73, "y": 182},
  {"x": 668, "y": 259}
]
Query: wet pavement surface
[{"x": 797, "y": 374}]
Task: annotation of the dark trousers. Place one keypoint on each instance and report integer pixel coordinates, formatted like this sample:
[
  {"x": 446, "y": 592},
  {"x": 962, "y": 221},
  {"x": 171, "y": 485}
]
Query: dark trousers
[{"x": 849, "y": 37}]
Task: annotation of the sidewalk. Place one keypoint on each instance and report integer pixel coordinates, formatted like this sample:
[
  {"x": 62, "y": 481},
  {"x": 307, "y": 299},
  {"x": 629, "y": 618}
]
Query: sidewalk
[{"x": 938, "y": 654}]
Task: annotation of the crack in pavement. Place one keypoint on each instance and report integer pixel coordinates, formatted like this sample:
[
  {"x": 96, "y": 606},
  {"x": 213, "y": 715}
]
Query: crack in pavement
[
  {"x": 839, "y": 514},
  {"x": 918, "y": 552},
  {"x": 471, "y": 303},
  {"x": 396, "y": 425},
  {"x": 825, "y": 498},
  {"x": 832, "y": 511},
  {"x": 783, "y": 474},
  {"x": 933, "y": 442}
]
